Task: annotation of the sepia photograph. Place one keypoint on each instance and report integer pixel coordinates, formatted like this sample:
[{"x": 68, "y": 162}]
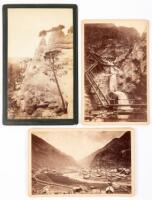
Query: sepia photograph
[
  {"x": 115, "y": 71},
  {"x": 81, "y": 162},
  {"x": 40, "y": 67}
]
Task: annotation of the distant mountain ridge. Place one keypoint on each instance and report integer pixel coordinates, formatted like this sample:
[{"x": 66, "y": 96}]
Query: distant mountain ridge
[
  {"x": 116, "y": 153},
  {"x": 45, "y": 155}
]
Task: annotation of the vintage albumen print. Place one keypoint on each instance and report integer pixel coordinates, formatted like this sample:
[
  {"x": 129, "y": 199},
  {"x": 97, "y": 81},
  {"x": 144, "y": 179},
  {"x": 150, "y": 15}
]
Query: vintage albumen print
[
  {"x": 40, "y": 63},
  {"x": 81, "y": 162},
  {"x": 115, "y": 71}
]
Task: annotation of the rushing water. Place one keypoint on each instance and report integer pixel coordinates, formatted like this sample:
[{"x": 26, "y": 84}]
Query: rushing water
[{"x": 123, "y": 100}]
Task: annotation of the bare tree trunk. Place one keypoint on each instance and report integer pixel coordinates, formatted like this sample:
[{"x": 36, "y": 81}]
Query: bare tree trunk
[{"x": 57, "y": 83}]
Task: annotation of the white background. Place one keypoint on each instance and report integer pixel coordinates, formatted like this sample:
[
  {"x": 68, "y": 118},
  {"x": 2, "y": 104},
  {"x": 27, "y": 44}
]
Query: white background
[{"x": 14, "y": 139}]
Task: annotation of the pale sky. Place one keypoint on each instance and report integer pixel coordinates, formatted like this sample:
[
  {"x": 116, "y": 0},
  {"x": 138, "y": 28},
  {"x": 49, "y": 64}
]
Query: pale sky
[
  {"x": 77, "y": 143},
  {"x": 24, "y": 25}
]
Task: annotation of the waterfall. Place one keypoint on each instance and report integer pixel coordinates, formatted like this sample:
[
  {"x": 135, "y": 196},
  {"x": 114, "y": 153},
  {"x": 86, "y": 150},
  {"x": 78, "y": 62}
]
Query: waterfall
[
  {"x": 123, "y": 100},
  {"x": 113, "y": 80}
]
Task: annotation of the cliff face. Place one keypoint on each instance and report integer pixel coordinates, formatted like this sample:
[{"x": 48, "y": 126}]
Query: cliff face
[
  {"x": 135, "y": 71},
  {"x": 37, "y": 94}
]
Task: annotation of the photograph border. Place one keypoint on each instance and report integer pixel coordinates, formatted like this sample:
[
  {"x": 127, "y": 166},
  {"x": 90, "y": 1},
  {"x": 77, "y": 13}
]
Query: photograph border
[
  {"x": 71, "y": 121},
  {"x": 93, "y": 21},
  {"x": 133, "y": 162}
]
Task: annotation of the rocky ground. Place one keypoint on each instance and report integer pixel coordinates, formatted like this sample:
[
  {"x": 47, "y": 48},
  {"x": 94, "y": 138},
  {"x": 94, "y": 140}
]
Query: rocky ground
[{"x": 33, "y": 92}]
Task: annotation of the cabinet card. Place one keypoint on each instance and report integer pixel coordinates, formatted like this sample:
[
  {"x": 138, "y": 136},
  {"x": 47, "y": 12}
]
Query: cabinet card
[
  {"x": 40, "y": 64},
  {"x": 81, "y": 162},
  {"x": 115, "y": 71}
]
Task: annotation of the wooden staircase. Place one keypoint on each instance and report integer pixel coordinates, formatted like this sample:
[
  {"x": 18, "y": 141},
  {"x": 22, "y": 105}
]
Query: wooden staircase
[{"x": 101, "y": 98}]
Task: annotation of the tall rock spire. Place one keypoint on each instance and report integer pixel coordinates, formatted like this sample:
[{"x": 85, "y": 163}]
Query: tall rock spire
[
  {"x": 56, "y": 38},
  {"x": 39, "y": 52}
]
